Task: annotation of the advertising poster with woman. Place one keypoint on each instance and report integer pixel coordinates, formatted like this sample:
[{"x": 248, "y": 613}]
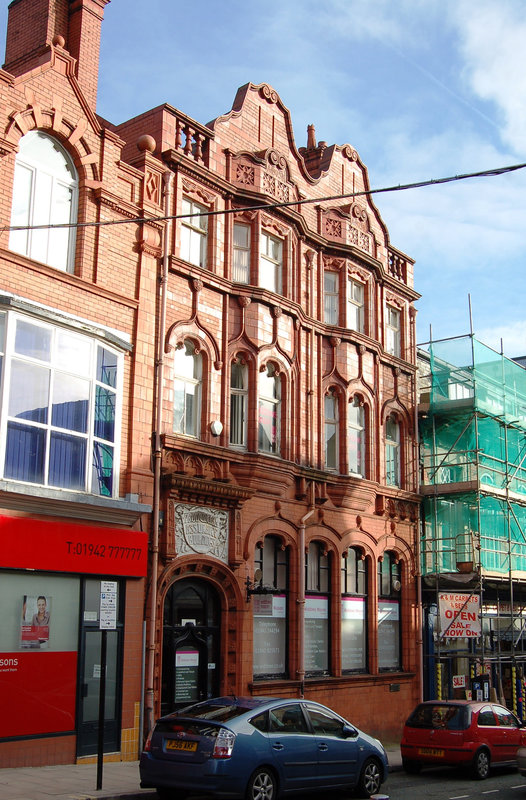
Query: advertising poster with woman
[{"x": 36, "y": 617}]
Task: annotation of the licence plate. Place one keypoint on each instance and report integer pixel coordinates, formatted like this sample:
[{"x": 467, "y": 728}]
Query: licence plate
[
  {"x": 176, "y": 744},
  {"x": 430, "y": 751}
]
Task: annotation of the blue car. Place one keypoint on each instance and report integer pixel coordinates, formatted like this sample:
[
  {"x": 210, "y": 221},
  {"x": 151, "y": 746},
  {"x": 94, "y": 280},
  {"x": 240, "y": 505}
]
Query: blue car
[{"x": 259, "y": 748}]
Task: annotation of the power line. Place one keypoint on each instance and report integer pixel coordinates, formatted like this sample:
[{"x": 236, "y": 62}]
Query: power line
[{"x": 489, "y": 173}]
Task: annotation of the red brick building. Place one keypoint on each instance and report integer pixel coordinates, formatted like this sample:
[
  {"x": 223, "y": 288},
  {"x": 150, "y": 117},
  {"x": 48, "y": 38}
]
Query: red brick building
[{"x": 252, "y": 381}]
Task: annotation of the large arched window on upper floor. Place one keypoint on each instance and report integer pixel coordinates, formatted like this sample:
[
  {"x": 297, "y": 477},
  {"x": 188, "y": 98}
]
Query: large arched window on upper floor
[
  {"x": 45, "y": 192},
  {"x": 354, "y": 611},
  {"x": 188, "y": 370}
]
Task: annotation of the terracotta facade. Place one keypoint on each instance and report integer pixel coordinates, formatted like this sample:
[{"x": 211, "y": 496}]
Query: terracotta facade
[{"x": 265, "y": 440}]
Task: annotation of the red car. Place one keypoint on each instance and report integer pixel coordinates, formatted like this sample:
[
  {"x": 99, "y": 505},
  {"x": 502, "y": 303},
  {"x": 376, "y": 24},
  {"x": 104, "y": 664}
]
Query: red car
[{"x": 454, "y": 732}]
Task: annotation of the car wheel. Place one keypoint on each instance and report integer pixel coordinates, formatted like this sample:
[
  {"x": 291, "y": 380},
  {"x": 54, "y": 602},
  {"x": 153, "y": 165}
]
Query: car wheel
[
  {"x": 262, "y": 785},
  {"x": 480, "y": 766},
  {"x": 370, "y": 778},
  {"x": 411, "y": 767}
]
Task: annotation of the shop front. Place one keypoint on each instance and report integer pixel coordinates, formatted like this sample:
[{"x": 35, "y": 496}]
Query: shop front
[{"x": 53, "y": 576}]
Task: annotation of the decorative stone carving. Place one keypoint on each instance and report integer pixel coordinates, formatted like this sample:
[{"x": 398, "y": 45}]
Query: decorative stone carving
[
  {"x": 245, "y": 174},
  {"x": 201, "y": 530}
]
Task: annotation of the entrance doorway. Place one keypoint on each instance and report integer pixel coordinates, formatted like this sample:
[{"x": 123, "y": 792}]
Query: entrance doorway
[{"x": 191, "y": 630}]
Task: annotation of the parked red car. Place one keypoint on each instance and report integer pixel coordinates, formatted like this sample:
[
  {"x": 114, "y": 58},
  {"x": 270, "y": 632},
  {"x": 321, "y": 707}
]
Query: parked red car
[{"x": 458, "y": 732}]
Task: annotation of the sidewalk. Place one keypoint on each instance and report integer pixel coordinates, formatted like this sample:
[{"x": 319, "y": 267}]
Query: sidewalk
[{"x": 120, "y": 781}]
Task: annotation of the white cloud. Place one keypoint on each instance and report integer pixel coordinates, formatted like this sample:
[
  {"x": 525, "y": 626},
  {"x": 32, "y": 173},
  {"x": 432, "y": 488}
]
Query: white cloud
[{"x": 492, "y": 38}]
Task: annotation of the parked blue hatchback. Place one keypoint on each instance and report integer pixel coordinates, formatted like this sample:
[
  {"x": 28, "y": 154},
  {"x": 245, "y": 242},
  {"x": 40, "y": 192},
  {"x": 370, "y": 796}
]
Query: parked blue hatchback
[{"x": 259, "y": 749}]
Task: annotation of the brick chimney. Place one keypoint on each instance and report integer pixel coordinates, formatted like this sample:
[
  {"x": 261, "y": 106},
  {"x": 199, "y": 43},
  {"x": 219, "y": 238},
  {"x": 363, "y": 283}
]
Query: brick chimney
[{"x": 34, "y": 25}]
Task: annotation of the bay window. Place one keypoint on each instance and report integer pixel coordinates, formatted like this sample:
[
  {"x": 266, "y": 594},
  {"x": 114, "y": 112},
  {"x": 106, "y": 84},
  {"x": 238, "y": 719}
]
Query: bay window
[
  {"x": 331, "y": 297},
  {"x": 241, "y": 253},
  {"x": 61, "y": 394}
]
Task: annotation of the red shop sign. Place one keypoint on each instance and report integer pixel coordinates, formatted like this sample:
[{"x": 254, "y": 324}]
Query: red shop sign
[{"x": 65, "y": 547}]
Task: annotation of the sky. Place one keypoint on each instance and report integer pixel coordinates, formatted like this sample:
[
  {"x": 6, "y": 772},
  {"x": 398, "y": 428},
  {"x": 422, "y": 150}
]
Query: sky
[{"x": 422, "y": 89}]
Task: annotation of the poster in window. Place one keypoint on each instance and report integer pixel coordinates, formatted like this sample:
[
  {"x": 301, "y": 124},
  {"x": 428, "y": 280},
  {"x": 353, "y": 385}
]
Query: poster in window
[
  {"x": 35, "y": 622},
  {"x": 353, "y": 633},
  {"x": 316, "y": 633},
  {"x": 186, "y": 675},
  {"x": 270, "y": 632},
  {"x": 388, "y": 634}
]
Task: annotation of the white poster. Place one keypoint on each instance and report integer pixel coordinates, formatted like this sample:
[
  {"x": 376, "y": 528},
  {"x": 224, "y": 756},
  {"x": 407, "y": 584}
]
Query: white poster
[{"x": 459, "y": 615}]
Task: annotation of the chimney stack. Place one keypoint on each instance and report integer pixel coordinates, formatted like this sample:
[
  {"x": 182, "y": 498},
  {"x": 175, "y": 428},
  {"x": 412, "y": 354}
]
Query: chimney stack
[{"x": 34, "y": 25}]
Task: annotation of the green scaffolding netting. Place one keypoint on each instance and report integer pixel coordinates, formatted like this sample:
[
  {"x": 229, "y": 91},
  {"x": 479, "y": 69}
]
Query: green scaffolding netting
[{"x": 473, "y": 452}]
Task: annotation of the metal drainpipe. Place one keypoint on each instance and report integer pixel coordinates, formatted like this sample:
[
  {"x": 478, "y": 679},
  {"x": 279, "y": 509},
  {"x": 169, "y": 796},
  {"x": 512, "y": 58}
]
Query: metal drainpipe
[
  {"x": 157, "y": 450},
  {"x": 301, "y": 596}
]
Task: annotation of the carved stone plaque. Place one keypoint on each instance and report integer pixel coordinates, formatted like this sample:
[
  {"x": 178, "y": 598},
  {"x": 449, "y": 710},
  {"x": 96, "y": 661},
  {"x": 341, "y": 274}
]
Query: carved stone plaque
[{"x": 201, "y": 530}]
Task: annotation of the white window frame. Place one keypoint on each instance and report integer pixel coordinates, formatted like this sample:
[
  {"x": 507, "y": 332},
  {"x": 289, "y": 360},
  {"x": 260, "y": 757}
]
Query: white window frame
[
  {"x": 189, "y": 379},
  {"x": 67, "y": 367},
  {"x": 238, "y": 406},
  {"x": 355, "y": 305},
  {"x": 241, "y": 253},
  {"x": 271, "y": 402},
  {"x": 331, "y": 297},
  {"x": 331, "y": 431},
  {"x": 392, "y": 451},
  {"x": 194, "y": 233},
  {"x": 39, "y": 188},
  {"x": 393, "y": 329},
  {"x": 356, "y": 437},
  {"x": 270, "y": 266}
]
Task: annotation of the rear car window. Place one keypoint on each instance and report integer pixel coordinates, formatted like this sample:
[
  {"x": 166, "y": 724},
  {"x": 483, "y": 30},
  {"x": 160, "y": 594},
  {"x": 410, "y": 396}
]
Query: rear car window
[
  {"x": 219, "y": 712},
  {"x": 438, "y": 715}
]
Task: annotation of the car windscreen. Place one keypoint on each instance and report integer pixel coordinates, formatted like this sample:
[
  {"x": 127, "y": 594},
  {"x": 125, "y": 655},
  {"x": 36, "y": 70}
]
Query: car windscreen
[
  {"x": 219, "y": 712},
  {"x": 448, "y": 717}
]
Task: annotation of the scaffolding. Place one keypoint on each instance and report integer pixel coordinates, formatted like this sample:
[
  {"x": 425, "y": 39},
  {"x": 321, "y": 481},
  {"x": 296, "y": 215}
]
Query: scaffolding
[{"x": 472, "y": 416}]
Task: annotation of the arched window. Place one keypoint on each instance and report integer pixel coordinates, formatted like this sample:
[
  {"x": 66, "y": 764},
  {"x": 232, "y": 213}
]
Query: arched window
[
  {"x": 269, "y": 411},
  {"x": 356, "y": 437},
  {"x": 187, "y": 389},
  {"x": 354, "y": 612},
  {"x": 389, "y": 585},
  {"x": 269, "y": 598},
  {"x": 238, "y": 403},
  {"x": 316, "y": 649},
  {"x": 392, "y": 451},
  {"x": 331, "y": 431},
  {"x": 45, "y": 192}
]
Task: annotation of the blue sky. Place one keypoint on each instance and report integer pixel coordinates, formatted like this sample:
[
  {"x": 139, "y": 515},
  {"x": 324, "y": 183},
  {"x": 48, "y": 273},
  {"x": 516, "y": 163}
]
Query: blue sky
[{"x": 422, "y": 89}]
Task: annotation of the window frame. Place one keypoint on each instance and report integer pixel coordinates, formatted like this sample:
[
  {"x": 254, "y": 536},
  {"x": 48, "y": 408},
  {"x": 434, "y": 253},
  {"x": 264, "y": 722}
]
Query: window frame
[
  {"x": 237, "y": 248},
  {"x": 278, "y": 264},
  {"x": 354, "y": 597},
  {"x": 274, "y": 403},
  {"x": 272, "y": 558},
  {"x": 393, "y": 452},
  {"x": 33, "y": 205},
  {"x": 317, "y": 608},
  {"x": 196, "y": 382},
  {"x": 331, "y": 298},
  {"x": 192, "y": 231},
  {"x": 393, "y": 331},
  {"x": 354, "y": 429},
  {"x": 75, "y": 431},
  {"x": 389, "y": 601},
  {"x": 239, "y": 397},
  {"x": 332, "y": 424},
  {"x": 355, "y": 308}
]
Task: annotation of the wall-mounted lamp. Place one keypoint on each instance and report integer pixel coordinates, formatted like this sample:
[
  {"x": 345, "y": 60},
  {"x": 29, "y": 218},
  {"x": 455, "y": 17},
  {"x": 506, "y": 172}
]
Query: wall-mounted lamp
[{"x": 216, "y": 427}]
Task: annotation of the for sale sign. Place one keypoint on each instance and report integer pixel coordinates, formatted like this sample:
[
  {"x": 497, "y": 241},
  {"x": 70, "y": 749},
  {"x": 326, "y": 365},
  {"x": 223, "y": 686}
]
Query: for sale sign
[{"x": 459, "y": 615}]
